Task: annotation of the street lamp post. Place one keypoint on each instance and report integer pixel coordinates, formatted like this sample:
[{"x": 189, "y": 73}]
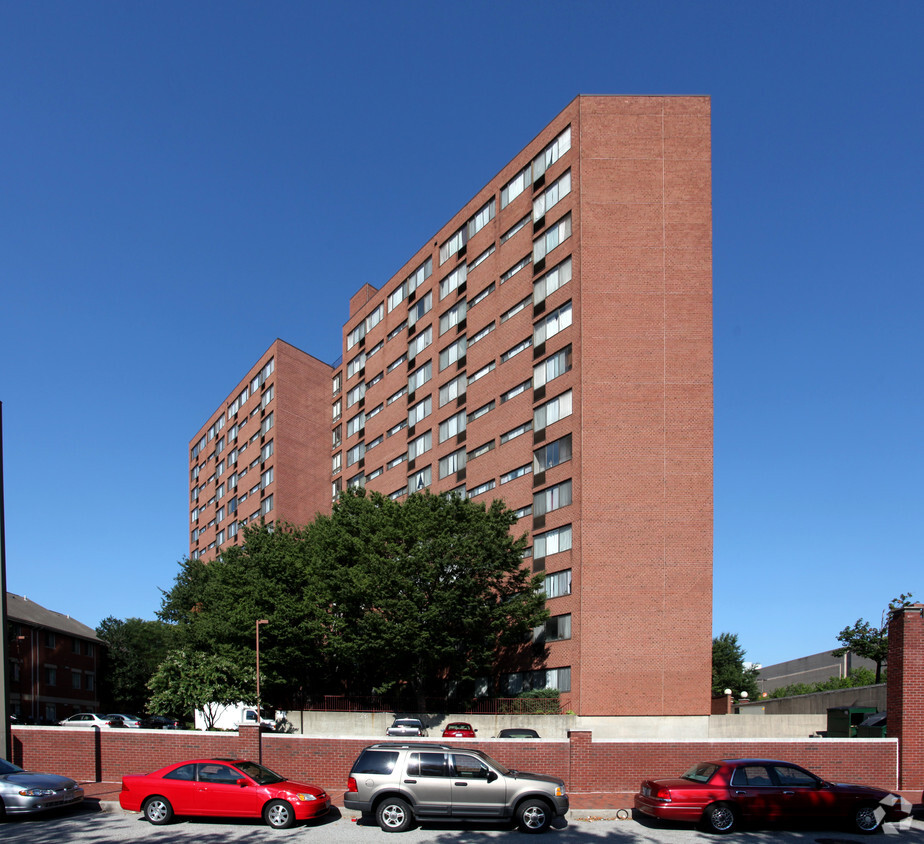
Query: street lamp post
[{"x": 259, "y": 709}]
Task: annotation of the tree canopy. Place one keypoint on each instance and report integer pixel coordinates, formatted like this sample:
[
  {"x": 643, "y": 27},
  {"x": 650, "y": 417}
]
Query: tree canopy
[
  {"x": 869, "y": 640},
  {"x": 728, "y": 668},
  {"x": 413, "y": 598},
  {"x": 135, "y": 648}
]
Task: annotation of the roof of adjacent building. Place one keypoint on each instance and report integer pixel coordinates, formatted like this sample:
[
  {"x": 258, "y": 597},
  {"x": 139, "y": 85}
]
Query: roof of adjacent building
[{"x": 25, "y": 611}]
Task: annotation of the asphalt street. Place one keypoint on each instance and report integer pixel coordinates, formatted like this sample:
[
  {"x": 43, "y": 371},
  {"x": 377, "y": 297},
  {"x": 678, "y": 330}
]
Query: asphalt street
[{"x": 89, "y": 827}]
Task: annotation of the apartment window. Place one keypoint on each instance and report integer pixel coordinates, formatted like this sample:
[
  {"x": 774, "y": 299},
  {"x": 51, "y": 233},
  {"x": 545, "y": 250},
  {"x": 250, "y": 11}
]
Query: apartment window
[
  {"x": 515, "y": 391},
  {"x": 552, "y": 367},
  {"x": 517, "y": 226},
  {"x": 266, "y": 478},
  {"x": 409, "y": 285},
  {"x": 453, "y": 316},
  {"x": 376, "y": 348},
  {"x": 420, "y": 411},
  {"x": 357, "y": 481},
  {"x": 453, "y": 245},
  {"x": 482, "y": 257},
  {"x": 356, "y": 424},
  {"x": 553, "y": 542},
  {"x": 267, "y": 451},
  {"x": 375, "y": 317},
  {"x": 519, "y": 347},
  {"x": 355, "y": 394},
  {"x": 374, "y": 380},
  {"x": 456, "y": 278},
  {"x": 50, "y": 639},
  {"x": 375, "y": 411},
  {"x": 482, "y": 372},
  {"x": 397, "y": 362},
  {"x": 513, "y": 474},
  {"x": 377, "y": 441},
  {"x": 552, "y": 195},
  {"x": 552, "y": 498},
  {"x": 419, "y": 445},
  {"x": 397, "y": 493},
  {"x": 356, "y": 335},
  {"x": 267, "y": 397},
  {"x": 221, "y": 443},
  {"x": 355, "y": 454},
  {"x": 421, "y": 307},
  {"x": 555, "y": 629},
  {"x": 552, "y": 153},
  {"x": 551, "y": 238},
  {"x": 481, "y": 489},
  {"x": 522, "y": 513},
  {"x": 515, "y": 309},
  {"x": 396, "y": 461},
  {"x": 265, "y": 425},
  {"x": 481, "y": 411},
  {"x": 396, "y": 330},
  {"x": 482, "y": 334},
  {"x": 220, "y": 515},
  {"x": 336, "y": 410},
  {"x": 551, "y": 281},
  {"x": 452, "y": 463},
  {"x": 482, "y": 295},
  {"x": 526, "y": 427},
  {"x": 232, "y": 530},
  {"x": 544, "y": 678},
  {"x": 557, "y": 584},
  {"x": 51, "y": 675},
  {"x": 552, "y": 454},
  {"x": 337, "y": 436},
  {"x": 420, "y": 376},
  {"x": 356, "y": 364},
  {"x": 519, "y": 265},
  {"x": 453, "y": 389},
  {"x": 555, "y": 322},
  {"x": 420, "y": 480},
  {"x": 452, "y": 426},
  {"x": 396, "y": 428},
  {"x": 453, "y": 352},
  {"x": 220, "y": 492},
  {"x": 481, "y": 450},
  {"x": 337, "y": 463},
  {"x": 516, "y": 186},
  {"x": 336, "y": 384},
  {"x": 482, "y": 217},
  {"x": 420, "y": 342},
  {"x": 375, "y": 473}
]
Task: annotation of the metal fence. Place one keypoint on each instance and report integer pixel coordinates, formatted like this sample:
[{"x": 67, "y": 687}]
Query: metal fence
[{"x": 479, "y": 706}]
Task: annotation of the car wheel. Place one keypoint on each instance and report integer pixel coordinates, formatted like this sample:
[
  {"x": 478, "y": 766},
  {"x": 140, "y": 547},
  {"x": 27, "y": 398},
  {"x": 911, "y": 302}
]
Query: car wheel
[
  {"x": 394, "y": 815},
  {"x": 279, "y": 814},
  {"x": 868, "y": 817},
  {"x": 533, "y": 816},
  {"x": 719, "y": 817},
  {"x": 157, "y": 810}
]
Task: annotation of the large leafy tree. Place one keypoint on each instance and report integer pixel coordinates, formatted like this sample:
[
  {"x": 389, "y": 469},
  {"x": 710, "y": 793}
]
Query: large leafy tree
[
  {"x": 869, "y": 640},
  {"x": 135, "y": 648},
  {"x": 728, "y": 668}
]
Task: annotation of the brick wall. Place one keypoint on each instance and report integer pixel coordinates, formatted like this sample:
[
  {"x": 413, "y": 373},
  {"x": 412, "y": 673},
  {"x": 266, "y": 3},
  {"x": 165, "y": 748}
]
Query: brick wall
[
  {"x": 604, "y": 773},
  {"x": 906, "y": 691}
]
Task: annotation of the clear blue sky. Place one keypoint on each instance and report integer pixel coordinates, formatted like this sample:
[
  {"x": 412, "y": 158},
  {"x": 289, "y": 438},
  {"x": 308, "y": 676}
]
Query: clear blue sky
[{"x": 181, "y": 183}]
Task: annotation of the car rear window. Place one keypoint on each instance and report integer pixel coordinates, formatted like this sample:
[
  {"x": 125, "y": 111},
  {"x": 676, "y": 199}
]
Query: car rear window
[
  {"x": 375, "y": 762},
  {"x": 701, "y": 773}
]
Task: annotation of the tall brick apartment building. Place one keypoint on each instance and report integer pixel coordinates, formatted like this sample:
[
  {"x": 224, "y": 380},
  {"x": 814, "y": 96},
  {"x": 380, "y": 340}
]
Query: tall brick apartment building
[{"x": 551, "y": 345}]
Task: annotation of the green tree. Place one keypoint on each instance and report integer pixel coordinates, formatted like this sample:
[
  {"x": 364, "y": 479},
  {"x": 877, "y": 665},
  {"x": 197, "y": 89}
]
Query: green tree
[
  {"x": 728, "y": 668},
  {"x": 867, "y": 640},
  {"x": 135, "y": 648},
  {"x": 188, "y": 680}
]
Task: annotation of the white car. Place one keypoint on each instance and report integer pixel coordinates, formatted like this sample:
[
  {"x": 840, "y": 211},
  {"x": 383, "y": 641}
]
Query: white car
[
  {"x": 128, "y": 720},
  {"x": 91, "y": 719}
]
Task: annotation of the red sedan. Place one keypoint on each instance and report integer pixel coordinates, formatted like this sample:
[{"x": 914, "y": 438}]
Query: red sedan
[
  {"x": 459, "y": 729},
  {"x": 720, "y": 794},
  {"x": 222, "y": 788}
]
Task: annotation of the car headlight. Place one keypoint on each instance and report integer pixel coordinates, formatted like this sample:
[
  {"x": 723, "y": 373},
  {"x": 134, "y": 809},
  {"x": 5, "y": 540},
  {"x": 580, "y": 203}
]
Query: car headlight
[
  {"x": 560, "y": 791},
  {"x": 37, "y": 792},
  {"x": 305, "y": 797}
]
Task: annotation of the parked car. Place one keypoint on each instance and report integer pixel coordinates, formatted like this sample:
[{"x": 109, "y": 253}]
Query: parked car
[
  {"x": 91, "y": 719},
  {"x": 26, "y": 792},
  {"x": 160, "y": 722},
  {"x": 459, "y": 729},
  {"x": 128, "y": 720},
  {"x": 405, "y": 727},
  {"x": 722, "y": 793},
  {"x": 222, "y": 788},
  {"x": 402, "y": 783},
  {"x": 518, "y": 732}
]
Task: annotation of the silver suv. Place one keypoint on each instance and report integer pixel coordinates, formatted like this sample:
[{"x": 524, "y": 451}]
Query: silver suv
[{"x": 402, "y": 783}]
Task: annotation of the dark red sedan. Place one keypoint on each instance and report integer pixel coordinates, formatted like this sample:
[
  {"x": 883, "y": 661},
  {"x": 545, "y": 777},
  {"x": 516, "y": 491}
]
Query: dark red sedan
[
  {"x": 459, "y": 729},
  {"x": 222, "y": 788},
  {"x": 719, "y": 794}
]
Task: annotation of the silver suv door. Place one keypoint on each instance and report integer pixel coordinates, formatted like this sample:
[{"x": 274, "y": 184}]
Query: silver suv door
[
  {"x": 477, "y": 790},
  {"x": 427, "y": 778}
]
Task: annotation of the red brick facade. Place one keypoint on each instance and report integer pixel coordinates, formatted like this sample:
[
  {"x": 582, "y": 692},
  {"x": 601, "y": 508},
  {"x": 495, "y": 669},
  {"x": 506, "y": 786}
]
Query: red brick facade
[{"x": 905, "y": 683}]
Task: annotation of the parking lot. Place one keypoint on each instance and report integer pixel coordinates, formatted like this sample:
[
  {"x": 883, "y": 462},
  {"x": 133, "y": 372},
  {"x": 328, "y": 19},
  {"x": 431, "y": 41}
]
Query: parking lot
[{"x": 87, "y": 826}]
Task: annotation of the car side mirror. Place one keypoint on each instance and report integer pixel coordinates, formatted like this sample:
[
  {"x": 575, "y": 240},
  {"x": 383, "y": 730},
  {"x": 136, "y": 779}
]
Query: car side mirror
[
  {"x": 241, "y": 782},
  {"x": 492, "y": 775}
]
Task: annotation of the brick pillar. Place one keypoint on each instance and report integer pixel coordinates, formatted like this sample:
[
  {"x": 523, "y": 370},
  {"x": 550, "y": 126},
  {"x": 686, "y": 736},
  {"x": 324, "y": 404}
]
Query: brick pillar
[
  {"x": 249, "y": 743},
  {"x": 579, "y": 766},
  {"x": 905, "y": 689}
]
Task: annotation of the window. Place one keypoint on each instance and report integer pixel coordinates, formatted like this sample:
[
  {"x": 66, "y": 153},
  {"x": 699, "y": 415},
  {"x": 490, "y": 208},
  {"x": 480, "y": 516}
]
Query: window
[
  {"x": 520, "y": 514},
  {"x": 266, "y": 505},
  {"x": 515, "y": 309},
  {"x": 395, "y": 428},
  {"x": 355, "y": 394},
  {"x": 264, "y": 401},
  {"x": 336, "y": 384},
  {"x": 516, "y": 186},
  {"x": 396, "y": 461},
  {"x": 551, "y": 153},
  {"x": 482, "y": 334},
  {"x": 551, "y": 281},
  {"x": 375, "y": 317},
  {"x": 453, "y": 352},
  {"x": 453, "y": 317},
  {"x": 480, "y": 450},
  {"x": 481, "y": 488},
  {"x": 552, "y": 367},
  {"x": 398, "y": 493},
  {"x": 355, "y": 454},
  {"x": 482, "y": 257},
  {"x": 552, "y": 411},
  {"x": 373, "y": 380},
  {"x": 397, "y": 330},
  {"x": 552, "y": 454},
  {"x": 427, "y": 765},
  {"x": 453, "y": 426},
  {"x": 375, "y": 473},
  {"x": 420, "y": 480},
  {"x": 356, "y": 364},
  {"x": 453, "y": 280},
  {"x": 519, "y": 347},
  {"x": 397, "y": 362},
  {"x": 409, "y": 285},
  {"x": 356, "y": 424},
  {"x": 376, "y": 348},
  {"x": 482, "y": 296},
  {"x": 453, "y": 245},
  {"x": 552, "y": 498},
  {"x": 356, "y": 335},
  {"x": 76, "y": 678},
  {"x": 419, "y": 308},
  {"x": 420, "y": 376},
  {"x": 552, "y": 237},
  {"x": 519, "y": 265},
  {"x": 519, "y": 225},
  {"x": 513, "y": 474},
  {"x": 377, "y": 441},
  {"x": 267, "y": 451},
  {"x": 481, "y": 411},
  {"x": 50, "y": 640},
  {"x": 336, "y": 410},
  {"x": 395, "y": 396},
  {"x": 420, "y": 411},
  {"x": 553, "y": 542},
  {"x": 552, "y": 195},
  {"x": 557, "y": 584},
  {"x": 420, "y": 342},
  {"x": 452, "y": 463},
  {"x": 555, "y": 322},
  {"x": 555, "y": 629},
  {"x": 482, "y": 372},
  {"x": 482, "y": 217},
  {"x": 375, "y": 411},
  {"x": 419, "y": 445},
  {"x": 357, "y": 481},
  {"x": 515, "y": 391},
  {"x": 51, "y": 675},
  {"x": 544, "y": 678},
  {"x": 266, "y": 424},
  {"x": 516, "y": 432},
  {"x": 453, "y": 389}
]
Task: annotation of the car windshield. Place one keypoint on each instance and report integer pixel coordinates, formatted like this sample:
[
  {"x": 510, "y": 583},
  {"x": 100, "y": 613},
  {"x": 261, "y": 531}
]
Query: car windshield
[
  {"x": 264, "y": 776},
  {"x": 9, "y": 768},
  {"x": 701, "y": 772}
]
